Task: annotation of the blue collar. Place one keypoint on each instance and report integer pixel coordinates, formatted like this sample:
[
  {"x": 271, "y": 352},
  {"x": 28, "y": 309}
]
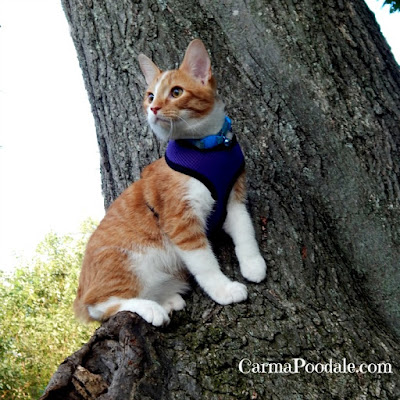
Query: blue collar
[{"x": 224, "y": 136}]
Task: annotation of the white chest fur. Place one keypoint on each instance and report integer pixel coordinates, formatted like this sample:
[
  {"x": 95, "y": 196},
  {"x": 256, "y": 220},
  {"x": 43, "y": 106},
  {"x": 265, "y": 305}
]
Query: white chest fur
[{"x": 200, "y": 199}]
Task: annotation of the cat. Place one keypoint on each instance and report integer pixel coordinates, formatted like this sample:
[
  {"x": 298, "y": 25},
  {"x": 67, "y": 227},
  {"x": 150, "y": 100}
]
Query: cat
[{"x": 157, "y": 230}]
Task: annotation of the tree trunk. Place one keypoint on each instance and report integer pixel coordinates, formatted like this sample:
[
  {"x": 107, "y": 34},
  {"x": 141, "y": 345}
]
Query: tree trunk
[{"x": 314, "y": 95}]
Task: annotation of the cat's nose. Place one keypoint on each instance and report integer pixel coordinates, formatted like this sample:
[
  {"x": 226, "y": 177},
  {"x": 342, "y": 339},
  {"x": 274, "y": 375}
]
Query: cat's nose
[{"x": 155, "y": 109}]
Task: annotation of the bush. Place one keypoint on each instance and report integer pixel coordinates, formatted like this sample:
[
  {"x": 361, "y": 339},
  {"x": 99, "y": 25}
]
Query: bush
[{"x": 38, "y": 328}]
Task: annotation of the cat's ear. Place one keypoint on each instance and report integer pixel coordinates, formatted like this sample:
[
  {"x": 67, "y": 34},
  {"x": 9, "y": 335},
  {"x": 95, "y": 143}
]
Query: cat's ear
[
  {"x": 197, "y": 62},
  {"x": 149, "y": 69}
]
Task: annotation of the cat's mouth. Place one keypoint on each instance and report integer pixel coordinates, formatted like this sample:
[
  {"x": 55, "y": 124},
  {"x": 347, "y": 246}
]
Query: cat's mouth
[{"x": 162, "y": 119}]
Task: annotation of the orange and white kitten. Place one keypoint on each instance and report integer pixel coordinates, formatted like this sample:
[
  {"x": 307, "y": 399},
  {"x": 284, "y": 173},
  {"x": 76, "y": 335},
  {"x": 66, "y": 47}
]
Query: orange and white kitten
[{"x": 155, "y": 231}]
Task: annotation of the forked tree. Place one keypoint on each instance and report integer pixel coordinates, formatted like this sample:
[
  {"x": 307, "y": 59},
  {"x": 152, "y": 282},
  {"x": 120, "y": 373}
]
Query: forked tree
[{"x": 314, "y": 95}]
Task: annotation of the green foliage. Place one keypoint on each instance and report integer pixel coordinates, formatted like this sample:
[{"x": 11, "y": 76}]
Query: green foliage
[
  {"x": 394, "y": 5},
  {"x": 38, "y": 329}
]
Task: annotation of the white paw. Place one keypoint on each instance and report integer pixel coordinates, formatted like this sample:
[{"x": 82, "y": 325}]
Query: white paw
[
  {"x": 231, "y": 292},
  {"x": 254, "y": 269},
  {"x": 153, "y": 313},
  {"x": 175, "y": 303}
]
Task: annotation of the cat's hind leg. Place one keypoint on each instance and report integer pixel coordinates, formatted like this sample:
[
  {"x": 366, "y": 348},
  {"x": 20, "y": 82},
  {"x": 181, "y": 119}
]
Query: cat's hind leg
[
  {"x": 174, "y": 303},
  {"x": 149, "y": 310},
  {"x": 116, "y": 285},
  {"x": 163, "y": 277}
]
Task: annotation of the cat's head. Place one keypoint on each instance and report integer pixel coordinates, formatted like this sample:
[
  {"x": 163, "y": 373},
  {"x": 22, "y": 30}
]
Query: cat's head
[{"x": 182, "y": 103}]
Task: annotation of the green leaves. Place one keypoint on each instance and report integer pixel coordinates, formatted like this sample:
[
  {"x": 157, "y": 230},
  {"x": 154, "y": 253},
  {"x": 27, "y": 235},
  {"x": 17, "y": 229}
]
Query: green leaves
[
  {"x": 38, "y": 328},
  {"x": 394, "y": 5}
]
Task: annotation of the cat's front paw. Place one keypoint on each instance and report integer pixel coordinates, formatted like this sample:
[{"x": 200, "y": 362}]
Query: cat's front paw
[
  {"x": 231, "y": 292},
  {"x": 254, "y": 269}
]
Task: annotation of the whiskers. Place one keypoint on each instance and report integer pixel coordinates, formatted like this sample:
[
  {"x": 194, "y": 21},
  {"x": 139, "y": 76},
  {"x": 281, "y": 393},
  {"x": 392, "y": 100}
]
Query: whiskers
[
  {"x": 171, "y": 130},
  {"x": 179, "y": 132},
  {"x": 180, "y": 124},
  {"x": 191, "y": 127}
]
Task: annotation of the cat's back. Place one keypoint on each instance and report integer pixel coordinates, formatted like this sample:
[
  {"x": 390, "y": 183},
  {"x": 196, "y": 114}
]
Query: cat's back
[{"x": 132, "y": 220}]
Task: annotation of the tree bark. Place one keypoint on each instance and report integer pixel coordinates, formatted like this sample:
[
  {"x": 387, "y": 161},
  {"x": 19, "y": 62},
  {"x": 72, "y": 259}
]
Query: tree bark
[{"x": 314, "y": 94}]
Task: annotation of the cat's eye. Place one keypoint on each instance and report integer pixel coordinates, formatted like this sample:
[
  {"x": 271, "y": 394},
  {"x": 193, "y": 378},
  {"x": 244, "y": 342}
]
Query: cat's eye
[
  {"x": 176, "y": 91},
  {"x": 150, "y": 97}
]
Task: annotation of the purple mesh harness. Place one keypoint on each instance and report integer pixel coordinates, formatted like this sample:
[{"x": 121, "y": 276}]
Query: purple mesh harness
[{"x": 217, "y": 167}]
